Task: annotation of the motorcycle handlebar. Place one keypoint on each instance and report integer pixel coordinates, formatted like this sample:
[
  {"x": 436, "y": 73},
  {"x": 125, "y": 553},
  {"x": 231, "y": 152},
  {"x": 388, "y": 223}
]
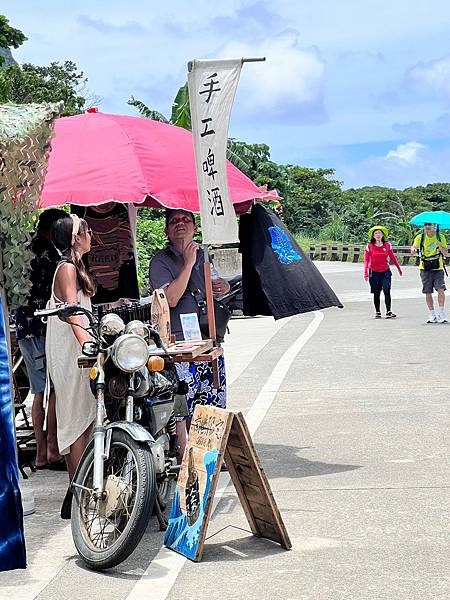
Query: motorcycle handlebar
[
  {"x": 154, "y": 335},
  {"x": 64, "y": 311}
]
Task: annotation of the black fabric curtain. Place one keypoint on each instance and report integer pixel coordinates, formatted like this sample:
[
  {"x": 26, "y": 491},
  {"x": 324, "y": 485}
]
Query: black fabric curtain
[
  {"x": 112, "y": 259},
  {"x": 278, "y": 278}
]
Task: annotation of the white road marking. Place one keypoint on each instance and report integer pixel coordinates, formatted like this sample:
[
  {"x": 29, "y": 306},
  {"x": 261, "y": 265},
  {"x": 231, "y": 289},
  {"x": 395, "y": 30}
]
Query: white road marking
[
  {"x": 46, "y": 563},
  {"x": 162, "y": 572},
  {"x": 234, "y": 551},
  {"x": 44, "y": 566}
]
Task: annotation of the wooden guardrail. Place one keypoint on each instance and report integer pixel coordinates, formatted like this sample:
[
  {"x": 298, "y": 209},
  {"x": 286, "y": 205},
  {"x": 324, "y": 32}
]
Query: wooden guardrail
[{"x": 355, "y": 253}]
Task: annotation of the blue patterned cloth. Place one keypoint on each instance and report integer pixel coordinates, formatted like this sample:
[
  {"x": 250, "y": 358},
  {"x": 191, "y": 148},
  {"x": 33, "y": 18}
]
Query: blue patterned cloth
[
  {"x": 12, "y": 541},
  {"x": 200, "y": 380},
  {"x": 282, "y": 246}
]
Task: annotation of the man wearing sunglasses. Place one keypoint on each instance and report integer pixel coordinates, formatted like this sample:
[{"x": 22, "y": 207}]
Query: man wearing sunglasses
[{"x": 431, "y": 246}]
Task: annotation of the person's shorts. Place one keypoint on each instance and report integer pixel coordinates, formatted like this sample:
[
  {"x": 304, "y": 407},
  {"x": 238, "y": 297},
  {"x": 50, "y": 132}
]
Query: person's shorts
[
  {"x": 380, "y": 281},
  {"x": 432, "y": 280},
  {"x": 33, "y": 352}
]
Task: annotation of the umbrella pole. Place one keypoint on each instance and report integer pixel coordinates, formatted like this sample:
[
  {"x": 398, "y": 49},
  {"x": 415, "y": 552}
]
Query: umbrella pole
[{"x": 209, "y": 294}]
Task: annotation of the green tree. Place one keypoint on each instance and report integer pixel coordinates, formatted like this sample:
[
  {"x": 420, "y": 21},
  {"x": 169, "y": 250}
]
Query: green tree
[
  {"x": 147, "y": 112},
  {"x": 181, "y": 111},
  {"x": 438, "y": 194},
  {"x": 30, "y": 83},
  {"x": 9, "y": 36},
  {"x": 311, "y": 196},
  {"x": 150, "y": 238},
  {"x": 367, "y": 206}
]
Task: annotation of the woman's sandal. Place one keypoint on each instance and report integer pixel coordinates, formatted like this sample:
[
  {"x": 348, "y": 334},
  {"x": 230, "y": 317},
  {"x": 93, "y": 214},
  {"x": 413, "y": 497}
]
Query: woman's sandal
[{"x": 391, "y": 315}]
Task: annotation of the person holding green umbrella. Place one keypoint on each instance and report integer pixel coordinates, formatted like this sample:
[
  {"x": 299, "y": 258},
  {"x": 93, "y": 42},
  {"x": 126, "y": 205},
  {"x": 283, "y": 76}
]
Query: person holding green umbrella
[
  {"x": 431, "y": 246},
  {"x": 377, "y": 258}
]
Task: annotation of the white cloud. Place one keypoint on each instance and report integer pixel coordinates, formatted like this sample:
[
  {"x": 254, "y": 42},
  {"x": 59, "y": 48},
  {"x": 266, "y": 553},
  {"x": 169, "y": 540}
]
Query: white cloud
[
  {"x": 407, "y": 165},
  {"x": 409, "y": 153},
  {"x": 290, "y": 84},
  {"x": 434, "y": 74}
]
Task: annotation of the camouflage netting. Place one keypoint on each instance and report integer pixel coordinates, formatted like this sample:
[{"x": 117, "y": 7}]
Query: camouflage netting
[{"x": 25, "y": 134}]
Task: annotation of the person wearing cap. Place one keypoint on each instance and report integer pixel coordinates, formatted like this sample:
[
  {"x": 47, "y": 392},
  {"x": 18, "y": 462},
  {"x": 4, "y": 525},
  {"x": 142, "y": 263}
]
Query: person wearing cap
[
  {"x": 378, "y": 256},
  {"x": 432, "y": 247}
]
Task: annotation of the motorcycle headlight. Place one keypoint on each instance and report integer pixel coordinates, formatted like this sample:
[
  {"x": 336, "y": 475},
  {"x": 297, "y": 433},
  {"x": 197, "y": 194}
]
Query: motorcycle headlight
[
  {"x": 111, "y": 325},
  {"x": 129, "y": 352},
  {"x": 138, "y": 328}
]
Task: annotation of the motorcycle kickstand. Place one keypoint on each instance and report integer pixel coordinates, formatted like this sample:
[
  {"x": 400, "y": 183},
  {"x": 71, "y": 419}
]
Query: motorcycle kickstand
[{"x": 163, "y": 523}]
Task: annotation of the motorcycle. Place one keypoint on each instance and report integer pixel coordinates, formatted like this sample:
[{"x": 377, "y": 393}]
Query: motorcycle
[
  {"x": 128, "y": 469},
  {"x": 233, "y": 300}
]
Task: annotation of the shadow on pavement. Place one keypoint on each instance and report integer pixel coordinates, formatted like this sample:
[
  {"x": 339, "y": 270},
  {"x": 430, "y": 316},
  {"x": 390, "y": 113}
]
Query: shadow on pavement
[
  {"x": 284, "y": 461},
  {"x": 247, "y": 548},
  {"x": 138, "y": 561}
]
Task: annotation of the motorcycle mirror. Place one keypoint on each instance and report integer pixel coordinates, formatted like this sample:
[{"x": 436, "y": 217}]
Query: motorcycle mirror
[
  {"x": 90, "y": 349},
  {"x": 154, "y": 335}
]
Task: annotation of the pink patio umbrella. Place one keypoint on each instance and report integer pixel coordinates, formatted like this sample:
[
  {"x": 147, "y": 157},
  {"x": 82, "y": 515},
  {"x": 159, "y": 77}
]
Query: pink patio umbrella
[{"x": 98, "y": 158}]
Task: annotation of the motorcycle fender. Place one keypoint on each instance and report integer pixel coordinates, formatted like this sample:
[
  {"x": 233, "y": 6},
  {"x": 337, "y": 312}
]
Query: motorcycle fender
[{"x": 136, "y": 431}]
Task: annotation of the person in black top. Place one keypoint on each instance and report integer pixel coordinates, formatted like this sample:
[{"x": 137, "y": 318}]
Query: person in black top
[{"x": 30, "y": 334}]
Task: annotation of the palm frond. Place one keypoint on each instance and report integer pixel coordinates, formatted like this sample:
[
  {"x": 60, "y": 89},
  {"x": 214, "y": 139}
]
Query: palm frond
[
  {"x": 240, "y": 155},
  {"x": 181, "y": 109},
  {"x": 147, "y": 112}
]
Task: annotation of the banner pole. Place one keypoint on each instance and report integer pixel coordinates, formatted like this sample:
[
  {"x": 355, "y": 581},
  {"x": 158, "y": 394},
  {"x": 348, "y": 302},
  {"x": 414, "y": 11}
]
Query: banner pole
[
  {"x": 244, "y": 60},
  {"x": 209, "y": 294}
]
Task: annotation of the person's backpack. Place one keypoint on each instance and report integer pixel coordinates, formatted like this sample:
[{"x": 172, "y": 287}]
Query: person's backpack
[{"x": 430, "y": 263}]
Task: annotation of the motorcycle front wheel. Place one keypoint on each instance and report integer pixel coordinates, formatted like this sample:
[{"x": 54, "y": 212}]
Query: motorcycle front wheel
[{"x": 106, "y": 532}]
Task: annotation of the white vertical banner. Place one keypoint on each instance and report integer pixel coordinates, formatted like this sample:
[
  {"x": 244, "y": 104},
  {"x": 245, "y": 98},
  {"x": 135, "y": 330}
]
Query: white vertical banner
[{"x": 212, "y": 85}]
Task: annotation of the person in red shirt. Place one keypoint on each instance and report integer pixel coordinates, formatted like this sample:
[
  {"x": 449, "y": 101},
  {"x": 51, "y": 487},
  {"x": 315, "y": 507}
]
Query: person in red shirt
[{"x": 377, "y": 258}]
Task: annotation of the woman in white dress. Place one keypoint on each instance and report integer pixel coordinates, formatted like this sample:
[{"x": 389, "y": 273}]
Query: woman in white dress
[{"x": 75, "y": 403}]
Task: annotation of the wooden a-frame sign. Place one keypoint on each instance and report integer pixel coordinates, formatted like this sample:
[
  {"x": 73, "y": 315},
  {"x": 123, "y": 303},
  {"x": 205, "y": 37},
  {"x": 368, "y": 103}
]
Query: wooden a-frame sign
[{"x": 216, "y": 434}]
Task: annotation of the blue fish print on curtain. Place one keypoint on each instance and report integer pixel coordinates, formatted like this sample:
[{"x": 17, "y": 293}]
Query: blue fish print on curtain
[
  {"x": 282, "y": 246},
  {"x": 12, "y": 542}
]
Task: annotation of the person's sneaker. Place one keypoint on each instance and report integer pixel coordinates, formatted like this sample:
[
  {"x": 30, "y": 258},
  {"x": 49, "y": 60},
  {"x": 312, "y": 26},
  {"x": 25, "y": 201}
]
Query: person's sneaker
[
  {"x": 442, "y": 318},
  {"x": 432, "y": 318},
  {"x": 377, "y": 315},
  {"x": 391, "y": 315}
]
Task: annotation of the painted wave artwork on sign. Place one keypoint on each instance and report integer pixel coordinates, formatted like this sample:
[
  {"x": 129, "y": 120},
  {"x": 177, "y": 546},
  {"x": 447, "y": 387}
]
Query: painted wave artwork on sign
[
  {"x": 282, "y": 246},
  {"x": 12, "y": 543},
  {"x": 183, "y": 531}
]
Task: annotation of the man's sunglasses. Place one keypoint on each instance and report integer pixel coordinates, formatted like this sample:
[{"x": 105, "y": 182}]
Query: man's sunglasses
[{"x": 176, "y": 220}]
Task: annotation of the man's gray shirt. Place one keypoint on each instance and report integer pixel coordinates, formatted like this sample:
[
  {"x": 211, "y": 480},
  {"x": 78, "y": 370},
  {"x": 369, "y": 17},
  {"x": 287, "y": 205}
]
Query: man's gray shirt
[{"x": 165, "y": 268}]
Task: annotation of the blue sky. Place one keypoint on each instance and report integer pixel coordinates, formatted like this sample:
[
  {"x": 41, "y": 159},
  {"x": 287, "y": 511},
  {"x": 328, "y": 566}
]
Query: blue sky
[{"x": 360, "y": 86}]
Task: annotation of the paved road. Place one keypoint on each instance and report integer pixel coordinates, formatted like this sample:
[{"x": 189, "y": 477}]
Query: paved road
[{"x": 354, "y": 439}]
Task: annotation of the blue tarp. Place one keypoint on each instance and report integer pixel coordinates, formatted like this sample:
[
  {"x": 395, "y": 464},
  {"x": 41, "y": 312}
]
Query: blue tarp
[{"x": 12, "y": 541}]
